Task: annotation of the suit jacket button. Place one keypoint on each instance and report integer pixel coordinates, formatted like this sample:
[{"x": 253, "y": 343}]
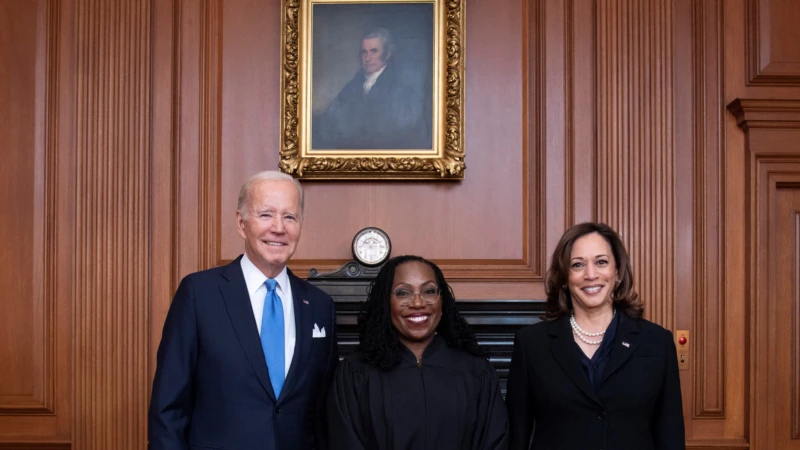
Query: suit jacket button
[
  {"x": 277, "y": 410},
  {"x": 601, "y": 415}
]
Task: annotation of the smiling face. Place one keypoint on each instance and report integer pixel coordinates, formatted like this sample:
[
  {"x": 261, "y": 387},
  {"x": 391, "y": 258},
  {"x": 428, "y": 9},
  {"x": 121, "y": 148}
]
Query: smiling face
[
  {"x": 415, "y": 323},
  {"x": 592, "y": 273},
  {"x": 270, "y": 224}
]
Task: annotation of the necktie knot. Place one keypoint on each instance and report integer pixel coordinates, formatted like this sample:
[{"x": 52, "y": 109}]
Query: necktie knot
[{"x": 271, "y": 285}]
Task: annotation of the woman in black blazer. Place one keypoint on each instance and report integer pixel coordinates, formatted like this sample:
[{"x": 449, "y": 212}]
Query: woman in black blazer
[{"x": 593, "y": 374}]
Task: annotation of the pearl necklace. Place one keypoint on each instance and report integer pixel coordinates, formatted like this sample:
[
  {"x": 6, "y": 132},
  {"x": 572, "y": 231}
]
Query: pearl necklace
[{"x": 582, "y": 334}]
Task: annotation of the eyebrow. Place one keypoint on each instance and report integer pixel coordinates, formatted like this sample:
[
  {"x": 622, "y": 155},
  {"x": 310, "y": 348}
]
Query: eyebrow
[{"x": 597, "y": 256}]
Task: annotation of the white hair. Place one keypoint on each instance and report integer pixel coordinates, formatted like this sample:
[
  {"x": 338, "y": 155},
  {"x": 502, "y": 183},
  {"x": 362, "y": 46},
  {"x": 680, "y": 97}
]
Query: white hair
[{"x": 266, "y": 175}]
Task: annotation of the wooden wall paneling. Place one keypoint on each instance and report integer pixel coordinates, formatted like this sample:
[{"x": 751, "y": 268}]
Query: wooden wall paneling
[
  {"x": 772, "y": 53},
  {"x": 197, "y": 135},
  {"x": 112, "y": 240},
  {"x": 582, "y": 119},
  {"x": 708, "y": 310},
  {"x": 636, "y": 149},
  {"x": 163, "y": 156},
  {"x": 485, "y": 230},
  {"x": 772, "y": 130},
  {"x": 35, "y": 381}
]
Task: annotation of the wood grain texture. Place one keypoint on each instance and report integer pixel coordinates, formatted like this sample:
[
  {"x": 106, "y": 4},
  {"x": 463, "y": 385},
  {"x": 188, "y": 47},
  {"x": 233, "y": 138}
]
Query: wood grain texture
[
  {"x": 707, "y": 118},
  {"x": 636, "y": 151},
  {"x": 773, "y": 164},
  {"x": 484, "y": 228},
  {"x": 111, "y": 337},
  {"x": 773, "y": 56},
  {"x": 26, "y": 227}
]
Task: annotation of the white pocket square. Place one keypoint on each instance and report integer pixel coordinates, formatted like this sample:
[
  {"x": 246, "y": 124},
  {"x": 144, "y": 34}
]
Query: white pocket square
[{"x": 317, "y": 333}]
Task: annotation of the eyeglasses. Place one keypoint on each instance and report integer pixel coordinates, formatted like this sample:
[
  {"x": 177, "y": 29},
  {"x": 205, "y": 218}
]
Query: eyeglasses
[{"x": 405, "y": 297}]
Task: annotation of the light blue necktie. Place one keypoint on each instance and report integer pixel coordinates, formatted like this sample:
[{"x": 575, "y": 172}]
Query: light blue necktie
[{"x": 272, "y": 336}]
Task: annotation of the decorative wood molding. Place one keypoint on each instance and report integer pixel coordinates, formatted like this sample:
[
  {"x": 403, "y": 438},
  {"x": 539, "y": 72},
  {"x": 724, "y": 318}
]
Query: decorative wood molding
[
  {"x": 197, "y": 135},
  {"x": 765, "y": 113},
  {"x": 762, "y": 67},
  {"x": 112, "y": 239},
  {"x": 42, "y": 400},
  {"x": 11, "y": 445},
  {"x": 708, "y": 319},
  {"x": 772, "y": 164},
  {"x": 532, "y": 265},
  {"x": 636, "y": 149},
  {"x": 717, "y": 444}
]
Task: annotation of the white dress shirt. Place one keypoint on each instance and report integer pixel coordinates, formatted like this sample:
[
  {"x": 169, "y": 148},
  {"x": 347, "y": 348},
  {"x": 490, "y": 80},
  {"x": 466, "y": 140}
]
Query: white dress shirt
[
  {"x": 370, "y": 79},
  {"x": 255, "y": 279}
]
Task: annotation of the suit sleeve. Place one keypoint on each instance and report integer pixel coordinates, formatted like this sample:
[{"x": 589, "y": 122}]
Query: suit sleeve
[
  {"x": 669, "y": 431},
  {"x": 518, "y": 398},
  {"x": 172, "y": 399},
  {"x": 322, "y": 430}
]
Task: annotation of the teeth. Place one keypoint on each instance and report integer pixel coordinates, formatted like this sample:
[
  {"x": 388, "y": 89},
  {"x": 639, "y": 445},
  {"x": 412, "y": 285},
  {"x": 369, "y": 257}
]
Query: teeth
[
  {"x": 275, "y": 244},
  {"x": 418, "y": 319},
  {"x": 592, "y": 290}
]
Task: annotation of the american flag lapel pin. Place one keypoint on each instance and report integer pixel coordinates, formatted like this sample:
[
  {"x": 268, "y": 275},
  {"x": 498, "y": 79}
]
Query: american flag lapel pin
[{"x": 625, "y": 343}]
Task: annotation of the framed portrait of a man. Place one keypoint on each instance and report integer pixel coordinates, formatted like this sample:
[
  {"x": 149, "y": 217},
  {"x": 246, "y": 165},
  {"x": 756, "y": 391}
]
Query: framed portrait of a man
[{"x": 372, "y": 90}]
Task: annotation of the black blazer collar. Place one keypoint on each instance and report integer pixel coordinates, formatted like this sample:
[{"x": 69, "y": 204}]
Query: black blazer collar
[
  {"x": 562, "y": 346},
  {"x": 626, "y": 343}
]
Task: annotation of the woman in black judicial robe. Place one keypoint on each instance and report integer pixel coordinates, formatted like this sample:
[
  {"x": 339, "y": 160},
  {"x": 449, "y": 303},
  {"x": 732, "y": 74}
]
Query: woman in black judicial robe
[{"x": 419, "y": 379}]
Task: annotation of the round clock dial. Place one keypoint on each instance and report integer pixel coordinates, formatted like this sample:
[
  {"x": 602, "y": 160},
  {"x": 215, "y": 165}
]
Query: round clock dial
[{"x": 371, "y": 246}]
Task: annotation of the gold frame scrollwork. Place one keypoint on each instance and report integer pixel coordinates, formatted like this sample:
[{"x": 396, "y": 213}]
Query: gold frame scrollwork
[{"x": 444, "y": 161}]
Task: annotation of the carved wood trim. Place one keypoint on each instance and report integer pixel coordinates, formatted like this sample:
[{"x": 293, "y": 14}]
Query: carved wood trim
[
  {"x": 110, "y": 328},
  {"x": 11, "y": 445},
  {"x": 770, "y": 73},
  {"x": 636, "y": 148},
  {"x": 708, "y": 319},
  {"x": 533, "y": 231},
  {"x": 42, "y": 400},
  {"x": 769, "y": 167},
  {"x": 765, "y": 113}
]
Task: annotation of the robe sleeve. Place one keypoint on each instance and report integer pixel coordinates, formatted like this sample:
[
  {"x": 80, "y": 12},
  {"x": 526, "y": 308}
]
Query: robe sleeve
[
  {"x": 492, "y": 432},
  {"x": 345, "y": 428}
]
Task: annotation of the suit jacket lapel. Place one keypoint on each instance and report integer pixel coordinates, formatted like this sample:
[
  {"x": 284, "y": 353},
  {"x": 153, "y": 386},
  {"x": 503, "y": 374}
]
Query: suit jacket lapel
[
  {"x": 303, "y": 328},
  {"x": 562, "y": 346},
  {"x": 625, "y": 345},
  {"x": 237, "y": 302}
]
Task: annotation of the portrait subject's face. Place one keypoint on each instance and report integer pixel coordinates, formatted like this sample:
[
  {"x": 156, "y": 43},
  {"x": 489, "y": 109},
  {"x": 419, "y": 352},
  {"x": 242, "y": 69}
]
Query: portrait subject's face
[
  {"x": 271, "y": 225},
  {"x": 373, "y": 56}
]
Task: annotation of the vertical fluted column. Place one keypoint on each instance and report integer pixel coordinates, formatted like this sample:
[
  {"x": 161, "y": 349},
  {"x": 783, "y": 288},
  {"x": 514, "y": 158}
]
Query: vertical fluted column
[
  {"x": 110, "y": 322},
  {"x": 636, "y": 151}
]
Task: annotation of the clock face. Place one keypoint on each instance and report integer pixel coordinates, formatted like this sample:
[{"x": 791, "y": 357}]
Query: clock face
[{"x": 371, "y": 246}]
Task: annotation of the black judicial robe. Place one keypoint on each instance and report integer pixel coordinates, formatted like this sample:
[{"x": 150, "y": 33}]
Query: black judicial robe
[{"x": 450, "y": 400}]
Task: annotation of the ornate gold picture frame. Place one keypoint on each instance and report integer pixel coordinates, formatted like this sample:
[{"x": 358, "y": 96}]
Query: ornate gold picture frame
[{"x": 372, "y": 89}]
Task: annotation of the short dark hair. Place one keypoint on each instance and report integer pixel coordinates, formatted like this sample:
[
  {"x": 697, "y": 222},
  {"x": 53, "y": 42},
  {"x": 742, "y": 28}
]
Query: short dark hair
[
  {"x": 385, "y": 36},
  {"x": 559, "y": 300},
  {"x": 378, "y": 340}
]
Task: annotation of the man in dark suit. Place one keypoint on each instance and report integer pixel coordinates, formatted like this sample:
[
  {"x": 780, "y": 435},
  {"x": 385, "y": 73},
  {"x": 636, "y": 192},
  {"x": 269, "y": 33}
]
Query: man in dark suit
[
  {"x": 380, "y": 108},
  {"x": 248, "y": 349}
]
